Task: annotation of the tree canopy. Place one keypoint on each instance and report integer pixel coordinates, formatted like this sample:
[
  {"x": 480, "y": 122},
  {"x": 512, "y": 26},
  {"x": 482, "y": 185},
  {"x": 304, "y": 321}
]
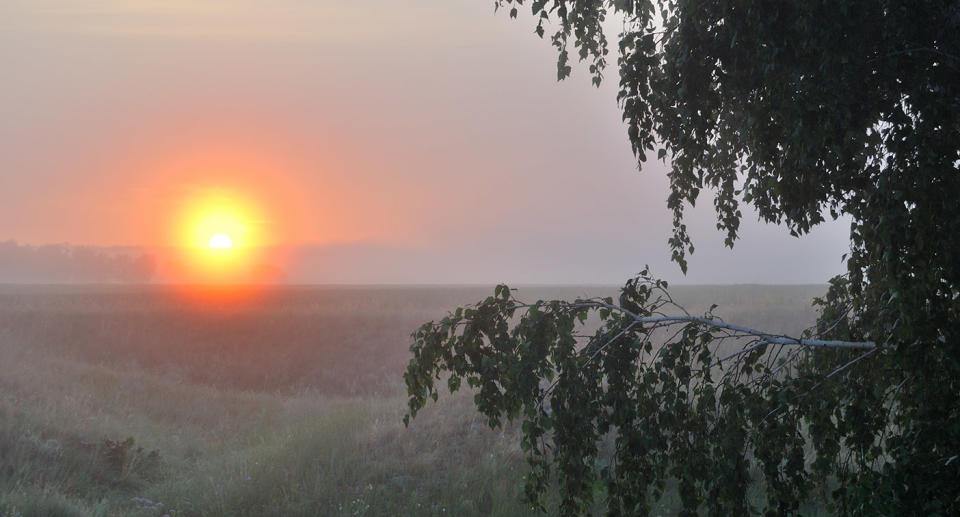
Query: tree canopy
[{"x": 803, "y": 110}]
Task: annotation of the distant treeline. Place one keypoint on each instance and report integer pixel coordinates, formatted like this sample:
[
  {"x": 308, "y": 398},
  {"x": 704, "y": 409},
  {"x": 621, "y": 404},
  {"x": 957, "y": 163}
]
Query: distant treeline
[{"x": 64, "y": 263}]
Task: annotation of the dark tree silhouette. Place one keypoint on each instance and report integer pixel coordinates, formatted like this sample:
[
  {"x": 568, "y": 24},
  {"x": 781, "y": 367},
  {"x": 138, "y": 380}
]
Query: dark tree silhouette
[{"x": 804, "y": 110}]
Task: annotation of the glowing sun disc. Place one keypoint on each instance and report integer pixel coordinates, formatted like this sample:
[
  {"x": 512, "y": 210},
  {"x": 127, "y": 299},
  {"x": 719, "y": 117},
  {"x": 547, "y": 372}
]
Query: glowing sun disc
[{"x": 220, "y": 241}]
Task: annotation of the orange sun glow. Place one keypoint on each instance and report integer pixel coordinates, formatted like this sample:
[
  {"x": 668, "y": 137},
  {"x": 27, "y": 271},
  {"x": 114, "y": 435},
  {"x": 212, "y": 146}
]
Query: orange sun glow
[{"x": 221, "y": 236}]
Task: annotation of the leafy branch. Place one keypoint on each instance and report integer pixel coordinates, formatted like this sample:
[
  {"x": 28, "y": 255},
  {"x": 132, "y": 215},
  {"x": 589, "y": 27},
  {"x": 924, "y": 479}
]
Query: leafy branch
[{"x": 671, "y": 392}]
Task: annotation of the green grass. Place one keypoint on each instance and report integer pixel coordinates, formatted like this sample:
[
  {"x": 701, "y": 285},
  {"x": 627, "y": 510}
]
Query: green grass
[{"x": 287, "y": 405}]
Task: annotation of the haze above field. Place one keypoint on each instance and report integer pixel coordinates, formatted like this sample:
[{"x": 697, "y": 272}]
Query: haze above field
[{"x": 380, "y": 142}]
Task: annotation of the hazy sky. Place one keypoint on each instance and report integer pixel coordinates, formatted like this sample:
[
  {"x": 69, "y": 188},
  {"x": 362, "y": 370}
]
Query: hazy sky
[{"x": 379, "y": 141}]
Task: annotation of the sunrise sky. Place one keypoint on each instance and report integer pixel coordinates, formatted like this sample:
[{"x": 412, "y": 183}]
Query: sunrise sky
[{"x": 361, "y": 142}]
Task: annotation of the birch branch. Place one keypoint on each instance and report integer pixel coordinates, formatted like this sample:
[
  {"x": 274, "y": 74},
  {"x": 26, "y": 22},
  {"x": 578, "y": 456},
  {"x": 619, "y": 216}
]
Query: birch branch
[{"x": 766, "y": 337}]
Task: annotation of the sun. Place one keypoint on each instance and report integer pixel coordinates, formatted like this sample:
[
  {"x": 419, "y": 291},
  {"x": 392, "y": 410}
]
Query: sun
[
  {"x": 220, "y": 241},
  {"x": 220, "y": 237},
  {"x": 219, "y": 220}
]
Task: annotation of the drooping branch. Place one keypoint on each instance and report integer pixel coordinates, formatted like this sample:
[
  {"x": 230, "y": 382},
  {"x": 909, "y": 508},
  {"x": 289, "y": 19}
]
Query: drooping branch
[
  {"x": 765, "y": 337},
  {"x": 651, "y": 375},
  {"x": 662, "y": 321}
]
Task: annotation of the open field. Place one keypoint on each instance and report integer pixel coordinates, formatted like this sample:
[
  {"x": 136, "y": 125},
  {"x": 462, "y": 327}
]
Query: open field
[{"x": 283, "y": 402}]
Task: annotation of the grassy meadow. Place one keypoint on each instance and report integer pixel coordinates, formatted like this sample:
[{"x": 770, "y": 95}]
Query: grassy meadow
[{"x": 138, "y": 401}]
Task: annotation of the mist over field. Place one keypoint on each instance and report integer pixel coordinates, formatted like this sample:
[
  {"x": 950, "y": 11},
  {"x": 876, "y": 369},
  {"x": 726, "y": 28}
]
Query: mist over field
[
  {"x": 286, "y": 401},
  {"x": 63, "y": 263},
  {"x": 373, "y": 264}
]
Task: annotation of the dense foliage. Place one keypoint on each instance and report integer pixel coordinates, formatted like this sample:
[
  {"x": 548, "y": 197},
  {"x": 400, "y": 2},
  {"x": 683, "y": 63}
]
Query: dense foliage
[{"x": 802, "y": 110}]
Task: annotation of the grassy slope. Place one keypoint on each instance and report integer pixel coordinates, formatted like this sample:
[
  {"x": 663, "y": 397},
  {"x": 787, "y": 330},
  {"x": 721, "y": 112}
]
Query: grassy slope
[{"x": 287, "y": 406}]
